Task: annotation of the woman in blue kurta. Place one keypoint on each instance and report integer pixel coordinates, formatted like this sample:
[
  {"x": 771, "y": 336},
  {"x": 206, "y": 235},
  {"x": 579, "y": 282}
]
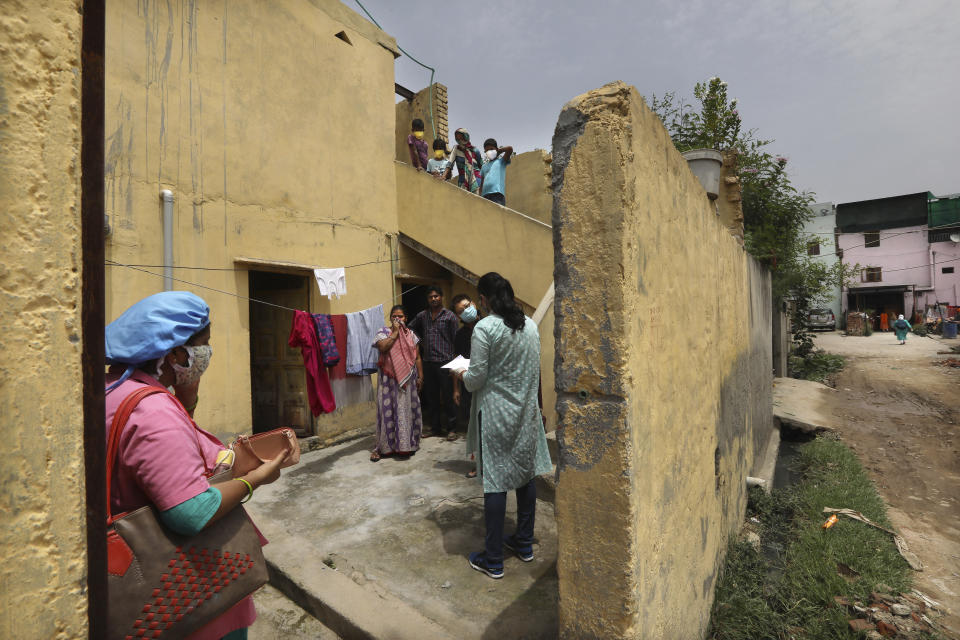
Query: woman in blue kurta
[
  {"x": 505, "y": 428},
  {"x": 901, "y": 326}
]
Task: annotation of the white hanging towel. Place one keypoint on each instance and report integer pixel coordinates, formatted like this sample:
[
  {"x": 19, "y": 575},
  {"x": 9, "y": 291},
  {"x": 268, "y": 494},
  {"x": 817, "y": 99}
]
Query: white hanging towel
[{"x": 332, "y": 282}]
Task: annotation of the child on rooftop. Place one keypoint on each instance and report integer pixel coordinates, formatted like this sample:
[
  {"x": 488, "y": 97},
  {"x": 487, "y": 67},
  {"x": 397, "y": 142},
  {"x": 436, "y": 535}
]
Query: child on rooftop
[
  {"x": 437, "y": 165},
  {"x": 417, "y": 145},
  {"x": 494, "y": 171}
]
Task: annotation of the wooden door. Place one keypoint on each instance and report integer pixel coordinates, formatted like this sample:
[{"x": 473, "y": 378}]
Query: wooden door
[{"x": 277, "y": 376}]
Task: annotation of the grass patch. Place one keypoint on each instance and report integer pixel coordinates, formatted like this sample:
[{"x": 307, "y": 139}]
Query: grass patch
[
  {"x": 786, "y": 589},
  {"x": 818, "y": 366}
]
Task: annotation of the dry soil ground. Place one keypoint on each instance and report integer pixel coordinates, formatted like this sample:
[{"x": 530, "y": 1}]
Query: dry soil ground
[{"x": 901, "y": 414}]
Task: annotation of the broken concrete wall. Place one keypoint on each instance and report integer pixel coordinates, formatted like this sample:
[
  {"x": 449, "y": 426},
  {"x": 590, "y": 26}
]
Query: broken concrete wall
[
  {"x": 664, "y": 392},
  {"x": 420, "y": 107},
  {"x": 43, "y": 581},
  {"x": 730, "y": 200}
]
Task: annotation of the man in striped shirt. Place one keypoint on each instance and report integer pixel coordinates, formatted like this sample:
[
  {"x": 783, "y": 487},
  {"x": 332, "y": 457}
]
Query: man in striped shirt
[{"x": 437, "y": 326}]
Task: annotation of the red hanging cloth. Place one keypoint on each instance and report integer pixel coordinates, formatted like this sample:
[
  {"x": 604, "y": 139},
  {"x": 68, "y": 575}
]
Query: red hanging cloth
[{"x": 303, "y": 334}]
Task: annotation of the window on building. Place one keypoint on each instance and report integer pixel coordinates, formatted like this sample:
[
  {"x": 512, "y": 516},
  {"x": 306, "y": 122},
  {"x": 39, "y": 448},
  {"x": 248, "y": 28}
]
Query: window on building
[
  {"x": 871, "y": 239},
  {"x": 813, "y": 248},
  {"x": 946, "y": 270},
  {"x": 942, "y": 234},
  {"x": 870, "y": 274}
]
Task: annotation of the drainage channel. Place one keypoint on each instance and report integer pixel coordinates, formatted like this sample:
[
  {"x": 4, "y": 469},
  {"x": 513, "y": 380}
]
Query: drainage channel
[{"x": 785, "y": 474}]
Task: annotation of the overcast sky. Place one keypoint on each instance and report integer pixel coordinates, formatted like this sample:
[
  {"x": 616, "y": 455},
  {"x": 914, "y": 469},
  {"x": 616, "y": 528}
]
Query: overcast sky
[{"x": 862, "y": 96}]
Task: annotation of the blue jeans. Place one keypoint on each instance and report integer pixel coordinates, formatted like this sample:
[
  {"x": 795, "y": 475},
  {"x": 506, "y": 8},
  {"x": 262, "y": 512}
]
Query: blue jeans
[{"x": 494, "y": 512}]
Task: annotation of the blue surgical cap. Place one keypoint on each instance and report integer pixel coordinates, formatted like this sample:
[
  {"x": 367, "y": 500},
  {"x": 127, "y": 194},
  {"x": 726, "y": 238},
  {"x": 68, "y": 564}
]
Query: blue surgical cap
[{"x": 152, "y": 327}]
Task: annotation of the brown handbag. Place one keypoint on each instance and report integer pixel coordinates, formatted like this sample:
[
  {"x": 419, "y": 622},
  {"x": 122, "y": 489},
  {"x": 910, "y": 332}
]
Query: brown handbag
[
  {"x": 165, "y": 585},
  {"x": 252, "y": 451}
]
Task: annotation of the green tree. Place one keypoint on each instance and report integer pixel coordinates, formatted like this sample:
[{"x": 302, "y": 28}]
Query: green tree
[{"x": 716, "y": 125}]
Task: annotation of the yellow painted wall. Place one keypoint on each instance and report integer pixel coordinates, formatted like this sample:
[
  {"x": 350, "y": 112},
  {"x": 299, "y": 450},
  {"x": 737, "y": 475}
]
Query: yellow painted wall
[
  {"x": 42, "y": 515},
  {"x": 663, "y": 376},
  {"x": 475, "y": 233},
  {"x": 528, "y": 184},
  {"x": 420, "y": 268},
  {"x": 275, "y": 150}
]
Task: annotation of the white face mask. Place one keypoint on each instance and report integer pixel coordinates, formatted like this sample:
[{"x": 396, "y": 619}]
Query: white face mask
[
  {"x": 492, "y": 154},
  {"x": 198, "y": 359}
]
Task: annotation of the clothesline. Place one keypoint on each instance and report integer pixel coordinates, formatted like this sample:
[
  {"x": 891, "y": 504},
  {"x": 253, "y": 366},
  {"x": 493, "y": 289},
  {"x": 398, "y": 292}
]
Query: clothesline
[
  {"x": 111, "y": 263},
  {"x": 235, "y": 295}
]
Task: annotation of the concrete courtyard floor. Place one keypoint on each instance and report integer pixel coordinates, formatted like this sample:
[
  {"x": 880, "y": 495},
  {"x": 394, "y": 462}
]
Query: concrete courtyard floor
[{"x": 380, "y": 549}]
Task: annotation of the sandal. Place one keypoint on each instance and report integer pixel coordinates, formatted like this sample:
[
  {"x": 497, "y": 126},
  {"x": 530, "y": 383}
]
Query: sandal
[{"x": 375, "y": 456}]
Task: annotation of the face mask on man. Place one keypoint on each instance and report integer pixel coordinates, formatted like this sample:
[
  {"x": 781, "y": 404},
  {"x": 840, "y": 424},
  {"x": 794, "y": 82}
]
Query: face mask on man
[
  {"x": 469, "y": 314},
  {"x": 198, "y": 359},
  {"x": 491, "y": 154},
  {"x": 418, "y": 135}
]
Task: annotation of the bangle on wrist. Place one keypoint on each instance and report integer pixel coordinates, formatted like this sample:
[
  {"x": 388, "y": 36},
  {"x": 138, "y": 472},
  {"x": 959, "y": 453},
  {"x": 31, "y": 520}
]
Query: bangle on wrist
[{"x": 249, "y": 490}]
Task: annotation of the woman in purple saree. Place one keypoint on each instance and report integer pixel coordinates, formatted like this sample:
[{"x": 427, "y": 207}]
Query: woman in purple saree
[{"x": 399, "y": 420}]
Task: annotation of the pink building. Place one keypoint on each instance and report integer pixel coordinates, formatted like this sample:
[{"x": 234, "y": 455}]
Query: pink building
[{"x": 904, "y": 263}]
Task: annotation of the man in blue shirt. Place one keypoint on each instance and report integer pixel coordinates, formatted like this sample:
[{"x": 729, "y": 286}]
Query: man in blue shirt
[{"x": 494, "y": 171}]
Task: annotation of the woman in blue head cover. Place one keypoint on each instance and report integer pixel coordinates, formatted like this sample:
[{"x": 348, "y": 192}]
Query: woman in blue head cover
[{"x": 164, "y": 458}]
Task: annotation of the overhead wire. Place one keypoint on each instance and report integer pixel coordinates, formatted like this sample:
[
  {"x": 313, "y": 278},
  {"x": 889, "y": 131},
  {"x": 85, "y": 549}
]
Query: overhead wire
[
  {"x": 402, "y": 50},
  {"x": 113, "y": 263},
  {"x": 921, "y": 266},
  {"x": 856, "y": 246},
  {"x": 160, "y": 266}
]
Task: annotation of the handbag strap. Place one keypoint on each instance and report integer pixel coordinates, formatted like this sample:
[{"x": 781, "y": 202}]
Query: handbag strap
[
  {"x": 116, "y": 429},
  {"x": 120, "y": 419}
]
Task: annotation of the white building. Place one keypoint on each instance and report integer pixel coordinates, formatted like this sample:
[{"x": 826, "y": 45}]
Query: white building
[{"x": 821, "y": 244}]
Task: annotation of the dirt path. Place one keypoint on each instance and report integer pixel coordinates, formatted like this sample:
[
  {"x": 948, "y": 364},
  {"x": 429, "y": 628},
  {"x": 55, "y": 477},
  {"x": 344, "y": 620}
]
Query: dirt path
[{"x": 901, "y": 413}]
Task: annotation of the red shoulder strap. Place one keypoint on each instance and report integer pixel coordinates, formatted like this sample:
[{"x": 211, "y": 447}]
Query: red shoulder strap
[{"x": 116, "y": 429}]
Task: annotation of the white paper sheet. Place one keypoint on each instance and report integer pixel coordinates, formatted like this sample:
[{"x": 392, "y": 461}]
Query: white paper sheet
[{"x": 457, "y": 363}]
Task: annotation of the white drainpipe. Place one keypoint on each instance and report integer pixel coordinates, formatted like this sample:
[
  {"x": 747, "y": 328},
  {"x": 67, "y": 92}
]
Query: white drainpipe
[
  {"x": 933, "y": 275},
  {"x": 167, "y": 196}
]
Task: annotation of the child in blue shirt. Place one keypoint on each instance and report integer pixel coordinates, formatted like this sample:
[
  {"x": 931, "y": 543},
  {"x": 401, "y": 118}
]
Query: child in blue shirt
[
  {"x": 494, "y": 171},
  {"x": 437, "y": 165}
]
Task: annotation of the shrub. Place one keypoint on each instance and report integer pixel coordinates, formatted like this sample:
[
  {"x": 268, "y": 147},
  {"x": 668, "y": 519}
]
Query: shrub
[{"x": 818, "y": 366}]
